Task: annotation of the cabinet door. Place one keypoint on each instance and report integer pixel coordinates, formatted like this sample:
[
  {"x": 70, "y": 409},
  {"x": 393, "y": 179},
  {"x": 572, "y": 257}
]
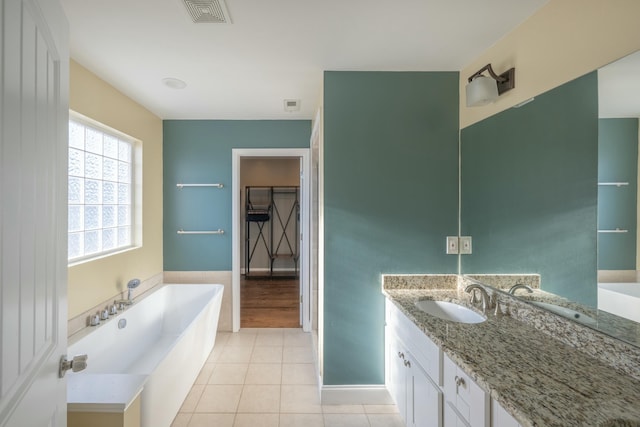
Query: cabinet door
[
  {"x": 452, "y": 418},
  {"x": 397, "y": 375},
  {"x": 500, "y": 417},
  {"x": 424, "y": 404},
  {"x": 469, "y": 400}
]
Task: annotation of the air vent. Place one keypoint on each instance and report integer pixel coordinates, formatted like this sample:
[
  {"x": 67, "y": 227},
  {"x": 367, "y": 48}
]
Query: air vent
[
  {"x": 208, "y": 11},
  {"x": 291, "y": 105}
]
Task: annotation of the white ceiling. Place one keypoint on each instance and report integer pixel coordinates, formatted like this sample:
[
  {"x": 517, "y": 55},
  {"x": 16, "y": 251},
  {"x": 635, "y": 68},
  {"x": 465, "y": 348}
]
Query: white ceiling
[
  {"x": 276, "y": 49},
  {"x": 619, "y": 88}
]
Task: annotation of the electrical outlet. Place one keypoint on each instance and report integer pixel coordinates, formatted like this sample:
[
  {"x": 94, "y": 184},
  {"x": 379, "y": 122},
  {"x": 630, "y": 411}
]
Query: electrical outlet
[
  {"x": 452, "y": 245},
  {"x": 465, "y": 245}
]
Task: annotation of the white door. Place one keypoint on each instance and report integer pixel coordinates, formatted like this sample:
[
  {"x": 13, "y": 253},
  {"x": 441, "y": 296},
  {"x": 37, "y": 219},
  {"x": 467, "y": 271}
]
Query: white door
[
  {"x": 300, "y": 245},
  {"x": 34, "y": 73}
]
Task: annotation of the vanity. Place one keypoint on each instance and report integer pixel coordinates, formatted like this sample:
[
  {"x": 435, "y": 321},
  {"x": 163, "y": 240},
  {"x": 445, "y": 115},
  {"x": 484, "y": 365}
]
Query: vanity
[{"x": 500, "y": 372}]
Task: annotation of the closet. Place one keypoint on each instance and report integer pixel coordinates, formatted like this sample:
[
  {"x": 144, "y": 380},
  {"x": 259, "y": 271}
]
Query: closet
[{"x": 272, "y": 230}]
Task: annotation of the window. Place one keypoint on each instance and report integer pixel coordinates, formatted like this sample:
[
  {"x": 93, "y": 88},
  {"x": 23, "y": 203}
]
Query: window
[{"x": 101, "y": 190}]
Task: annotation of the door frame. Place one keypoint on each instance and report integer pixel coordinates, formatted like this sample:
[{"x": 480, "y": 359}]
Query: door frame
[{"x": 304, "y": 155}]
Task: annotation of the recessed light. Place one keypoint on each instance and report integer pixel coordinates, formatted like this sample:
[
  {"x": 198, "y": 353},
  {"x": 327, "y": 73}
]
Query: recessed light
[{"x": 174, "y": 83}]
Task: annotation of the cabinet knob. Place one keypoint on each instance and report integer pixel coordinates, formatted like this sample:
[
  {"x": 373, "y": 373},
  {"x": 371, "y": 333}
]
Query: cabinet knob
[
  {"x": 460, "y": 382},
  {"x": 401, "y": 355},
  {"x": 407, "y": 363}
]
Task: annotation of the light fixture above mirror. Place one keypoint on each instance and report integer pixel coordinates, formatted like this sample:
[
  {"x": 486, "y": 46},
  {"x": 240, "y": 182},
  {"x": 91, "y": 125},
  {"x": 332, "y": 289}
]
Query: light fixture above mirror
[{"x": 483, "y": 90}]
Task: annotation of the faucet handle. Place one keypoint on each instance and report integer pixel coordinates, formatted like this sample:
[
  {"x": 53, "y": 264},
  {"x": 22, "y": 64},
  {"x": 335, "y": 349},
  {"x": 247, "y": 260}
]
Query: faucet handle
[{"x": 474, "y": 297}]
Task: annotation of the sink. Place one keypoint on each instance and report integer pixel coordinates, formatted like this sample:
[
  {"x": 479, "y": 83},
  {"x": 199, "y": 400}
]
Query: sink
[
  {"x": 450, "y": 311},
  {"x": 566, "y": 312}
]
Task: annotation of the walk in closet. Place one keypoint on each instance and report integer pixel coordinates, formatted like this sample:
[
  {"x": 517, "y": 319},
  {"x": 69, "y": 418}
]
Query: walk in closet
[{"x": 272, "y": 229}]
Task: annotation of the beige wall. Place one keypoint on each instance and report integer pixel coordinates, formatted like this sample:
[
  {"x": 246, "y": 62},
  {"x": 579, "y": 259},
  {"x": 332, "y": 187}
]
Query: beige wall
[
  {"x": 565, "y": 39},
  {"x": 93, "y": 282},
  {"x": 130, "y": 417}
]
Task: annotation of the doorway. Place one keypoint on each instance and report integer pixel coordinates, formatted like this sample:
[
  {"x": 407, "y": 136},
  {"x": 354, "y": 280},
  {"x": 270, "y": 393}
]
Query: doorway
[
  {"x": 270, "y": 277},
  {"x": 269, "y": 242}
]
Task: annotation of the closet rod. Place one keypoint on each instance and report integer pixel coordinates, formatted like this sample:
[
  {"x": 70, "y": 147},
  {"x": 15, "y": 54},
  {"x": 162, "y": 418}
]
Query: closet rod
[
  {"x": 199, "y": 185},
  {"x": 218, "y": 231},
  {"x": 617, "y": 230}
]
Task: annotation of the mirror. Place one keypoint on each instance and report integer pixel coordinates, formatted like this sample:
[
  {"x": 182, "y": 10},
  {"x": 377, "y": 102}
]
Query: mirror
[{"x": 534, "y": 202}]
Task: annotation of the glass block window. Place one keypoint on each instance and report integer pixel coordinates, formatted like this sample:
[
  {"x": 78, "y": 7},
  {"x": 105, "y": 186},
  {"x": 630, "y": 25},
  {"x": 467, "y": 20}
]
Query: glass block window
[{"x": 101, "y": 163}]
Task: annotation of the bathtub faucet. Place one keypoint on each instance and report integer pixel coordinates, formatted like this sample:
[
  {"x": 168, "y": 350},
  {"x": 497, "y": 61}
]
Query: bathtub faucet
[{"x": 133, "y": 283}]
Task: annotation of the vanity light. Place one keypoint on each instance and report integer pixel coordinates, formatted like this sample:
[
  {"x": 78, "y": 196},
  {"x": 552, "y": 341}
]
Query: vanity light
[{"x": 483, "y": 90}]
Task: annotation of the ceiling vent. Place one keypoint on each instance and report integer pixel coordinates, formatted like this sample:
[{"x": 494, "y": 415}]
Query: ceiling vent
[
  {"x": 291, "y": 105},
  {"x": 208, "y": 11}
]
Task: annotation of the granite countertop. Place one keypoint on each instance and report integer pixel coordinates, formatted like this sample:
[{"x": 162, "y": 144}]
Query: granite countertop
[{"x": 538, "y": 379}]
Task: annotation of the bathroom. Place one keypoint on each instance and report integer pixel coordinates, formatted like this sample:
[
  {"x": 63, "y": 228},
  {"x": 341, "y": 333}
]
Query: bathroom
[{"x": 392, "y": 226}]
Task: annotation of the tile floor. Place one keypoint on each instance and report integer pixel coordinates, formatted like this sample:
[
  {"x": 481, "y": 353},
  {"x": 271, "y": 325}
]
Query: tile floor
[{"x": 267, "y": 378}]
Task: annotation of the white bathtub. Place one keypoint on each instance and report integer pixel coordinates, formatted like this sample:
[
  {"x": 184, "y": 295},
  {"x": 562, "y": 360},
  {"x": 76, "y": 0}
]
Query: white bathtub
[
  {"x": 622, "y": 299},
  {"x": 167, "y": 339}
]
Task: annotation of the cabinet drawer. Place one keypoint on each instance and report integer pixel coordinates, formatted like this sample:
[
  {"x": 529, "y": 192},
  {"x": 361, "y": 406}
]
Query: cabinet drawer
[
  {"x": 470, "y": 401},
  {"x": 427, "y": 354}
]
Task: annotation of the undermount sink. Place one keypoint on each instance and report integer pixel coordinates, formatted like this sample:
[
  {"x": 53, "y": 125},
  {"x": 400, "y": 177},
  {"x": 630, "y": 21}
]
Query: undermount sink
[
  {"x": 566, "y": 312},
  {"x": 450, "y": 311}
]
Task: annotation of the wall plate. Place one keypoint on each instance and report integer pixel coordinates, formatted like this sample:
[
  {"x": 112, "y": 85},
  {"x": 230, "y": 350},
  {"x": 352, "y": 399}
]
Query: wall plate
[
  {"x": 452, "y": 245},
  {"x": 464, "y": 244}
]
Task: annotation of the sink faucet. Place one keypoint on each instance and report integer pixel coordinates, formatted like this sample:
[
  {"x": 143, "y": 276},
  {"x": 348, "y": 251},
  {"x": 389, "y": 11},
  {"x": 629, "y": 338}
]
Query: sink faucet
[
  {"x": 471, "y": 289},
  {"x": 517, "y": 286},
  {"x": 133, "y": 283}
]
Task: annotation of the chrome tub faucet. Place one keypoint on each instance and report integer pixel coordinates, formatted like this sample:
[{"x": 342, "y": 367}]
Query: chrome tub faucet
[{"x": 131, "y": 285}]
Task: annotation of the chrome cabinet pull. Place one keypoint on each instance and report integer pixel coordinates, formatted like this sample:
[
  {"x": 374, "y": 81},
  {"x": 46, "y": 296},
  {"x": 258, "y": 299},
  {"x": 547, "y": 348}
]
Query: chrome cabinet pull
[
  {"x": 407, "y": 363},
  {"x": 460, "y": 382},
  {"x": 401, "y": 355}
]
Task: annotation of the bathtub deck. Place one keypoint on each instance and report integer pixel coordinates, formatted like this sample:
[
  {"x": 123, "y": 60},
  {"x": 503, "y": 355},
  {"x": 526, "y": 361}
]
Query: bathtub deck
[{"x": 115, "y": 392}]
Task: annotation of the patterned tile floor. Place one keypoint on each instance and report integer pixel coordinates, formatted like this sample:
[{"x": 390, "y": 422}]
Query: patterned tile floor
[{"x": 266, "y": 378}]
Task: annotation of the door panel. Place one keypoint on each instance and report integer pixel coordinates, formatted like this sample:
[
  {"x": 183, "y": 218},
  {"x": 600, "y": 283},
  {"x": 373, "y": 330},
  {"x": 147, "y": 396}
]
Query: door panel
[{"x": 33, "y": 224}]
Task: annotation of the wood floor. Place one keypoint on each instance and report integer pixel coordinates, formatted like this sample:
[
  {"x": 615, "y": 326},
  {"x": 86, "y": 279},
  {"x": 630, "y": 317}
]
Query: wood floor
[{"x": 269, "y": 302}]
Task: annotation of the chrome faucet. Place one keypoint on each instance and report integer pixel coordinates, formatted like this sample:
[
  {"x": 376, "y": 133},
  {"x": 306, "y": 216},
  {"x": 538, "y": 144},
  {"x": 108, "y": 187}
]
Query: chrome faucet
[
  {"x": 133, "y": 283},
  {"x": 517, "y": 286},
  {"x": 486, "y": 300}
]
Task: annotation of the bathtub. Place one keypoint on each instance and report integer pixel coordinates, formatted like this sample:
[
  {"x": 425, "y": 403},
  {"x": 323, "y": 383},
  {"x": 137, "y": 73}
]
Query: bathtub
[
  {"x": 166, "y": 341},
  {"x": 622, "y": 299}
]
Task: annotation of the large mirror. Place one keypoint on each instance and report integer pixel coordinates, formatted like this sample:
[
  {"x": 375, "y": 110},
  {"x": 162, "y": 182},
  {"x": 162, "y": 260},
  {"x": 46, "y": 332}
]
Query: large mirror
[{"x": 550, "y": 188}]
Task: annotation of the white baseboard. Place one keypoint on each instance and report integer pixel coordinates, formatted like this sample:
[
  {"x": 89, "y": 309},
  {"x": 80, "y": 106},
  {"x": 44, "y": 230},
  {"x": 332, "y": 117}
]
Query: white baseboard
[{"x": 355, "y": 395}]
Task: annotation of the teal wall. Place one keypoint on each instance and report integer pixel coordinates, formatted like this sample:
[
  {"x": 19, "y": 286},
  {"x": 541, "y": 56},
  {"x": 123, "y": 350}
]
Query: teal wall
[
  {"x": 199, "y": 151},
  {"x": 529, "y": 190},
  {"x": 391, "y": 198},
  {"x": 617, "y": 206}
]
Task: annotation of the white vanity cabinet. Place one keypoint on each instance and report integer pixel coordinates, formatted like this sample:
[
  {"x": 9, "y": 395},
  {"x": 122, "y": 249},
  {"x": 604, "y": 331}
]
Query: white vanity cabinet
[
  {"x": 411, "y": 356},
  {"x": 466, "y": 404},
  {"x": 500, "y": 417},
  {"x": 429, "y": 389}
]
